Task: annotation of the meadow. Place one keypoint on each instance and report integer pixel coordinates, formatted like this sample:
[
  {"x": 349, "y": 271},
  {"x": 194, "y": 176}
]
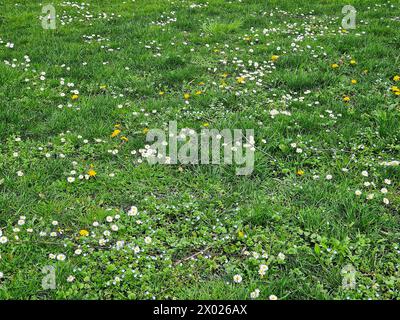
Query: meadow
[{"x": 83, "y": 215}]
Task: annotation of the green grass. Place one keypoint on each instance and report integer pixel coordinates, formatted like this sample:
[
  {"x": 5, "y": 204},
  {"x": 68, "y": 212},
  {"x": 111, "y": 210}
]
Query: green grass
[{"x": 206, "y": 223}]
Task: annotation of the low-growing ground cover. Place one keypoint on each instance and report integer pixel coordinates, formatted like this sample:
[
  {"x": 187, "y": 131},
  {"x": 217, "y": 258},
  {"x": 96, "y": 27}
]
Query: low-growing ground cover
[{"x": 318, "y": 217}]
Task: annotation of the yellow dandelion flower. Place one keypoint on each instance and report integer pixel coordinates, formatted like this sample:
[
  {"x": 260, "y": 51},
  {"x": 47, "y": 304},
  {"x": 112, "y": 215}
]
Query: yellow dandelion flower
[
  {"x": 353, "y": 62},
  {"x": 198, "y": 92},
  {"x": 395, "y": 89},
  {"x": 115, "y": 133},
  {"x": 161, "y": 93},
  {"x": 396, "y": 78},
  {"x": 186, "y": 96},
  {"x": 145, "y": 130},
  {"x": 274, "y": 58},
  {"x": 92, "y": 173},
  {"x": 74, "y": 97},
  {"x": 206, "y": 124},
  {"x": 300, "y": 172},
  {"x": 346, "y": 98},
  {"x": 240, "y": 80},
  {"x": 123, "y": 138},
  {"x": 201, "y": 83},
  {"x": 83, "y": 233},
  {"x": 354, "y": 81},
  {"x": 240, "y": 234},
  {"x": 334, "y": 65}
]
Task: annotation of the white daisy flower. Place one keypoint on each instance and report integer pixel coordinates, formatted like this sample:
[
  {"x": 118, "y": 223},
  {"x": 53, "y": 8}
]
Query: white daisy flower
[
  {"x": 136, "y": 249},
  {"x": 255, "y": 294},
  {"x": 281, "y": 256},
  {"x": 133, "y": 211},
  {"x": 364, "y": 173},
  {"x": 237, "y": 278},
  {"x": 61, "y": 257}
]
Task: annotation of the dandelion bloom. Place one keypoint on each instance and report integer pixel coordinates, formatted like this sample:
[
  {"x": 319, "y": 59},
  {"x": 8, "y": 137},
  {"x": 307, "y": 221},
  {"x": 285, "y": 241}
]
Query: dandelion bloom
[
  {"x": 240, "y": 80},
  {"x": 92, "y": 173},
  {"x": 115, "y": 133},
  {"x": 274, "y": 58},
  {"x": 84, "y": 233},
  {"x": 395, "y": 90}
]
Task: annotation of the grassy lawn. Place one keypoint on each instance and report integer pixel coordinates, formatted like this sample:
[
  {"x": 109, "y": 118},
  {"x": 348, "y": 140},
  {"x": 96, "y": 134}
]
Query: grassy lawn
[{"x": 317, "y": 218}]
